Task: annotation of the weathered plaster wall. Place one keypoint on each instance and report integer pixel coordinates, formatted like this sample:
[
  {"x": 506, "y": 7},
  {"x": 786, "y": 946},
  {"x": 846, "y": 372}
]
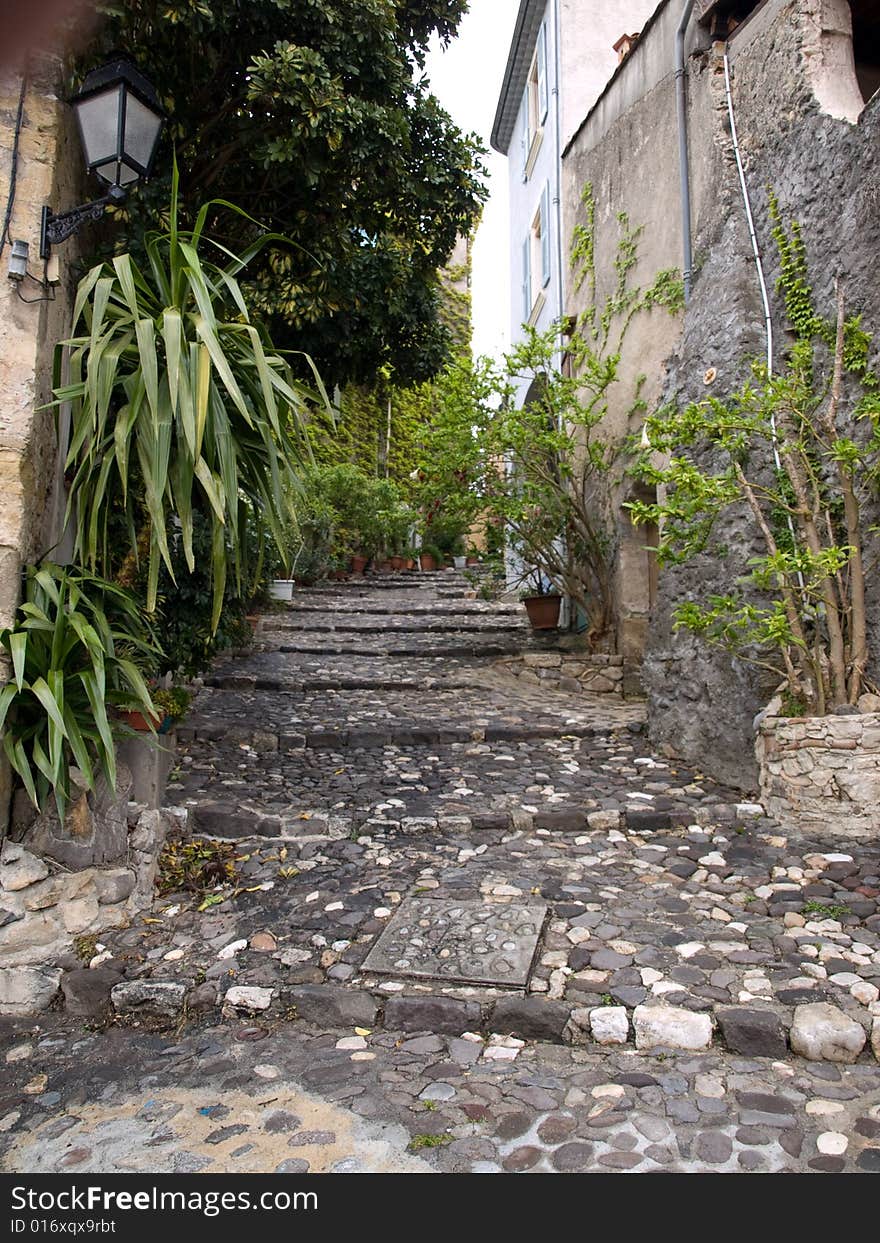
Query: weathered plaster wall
[
  {"x": 48, "y": 171},
  {"x": 627, "y": 151},
  {"x": 789, "y": 77},
  {"x": 588, "y": 58}
]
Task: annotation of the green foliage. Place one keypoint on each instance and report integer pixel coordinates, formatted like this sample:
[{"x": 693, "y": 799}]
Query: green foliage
[
  {"x": 388, "y": 428},
  {"x": 538, "y": 472},
  {"x": 419, "y": 1142},
  {"x": 79, "y": 646},
  {"x": 825, "y": 910},
  {"x": 313, "y": 116},
  {"x": 173, "y": 702},
  {"x": 173, "y": 386},
  {"x": 344, "y": 512},
  {"x": 185, "y": 604},
  {"x": 613, "y": 318},
  {"x": 799, "y": 608}
]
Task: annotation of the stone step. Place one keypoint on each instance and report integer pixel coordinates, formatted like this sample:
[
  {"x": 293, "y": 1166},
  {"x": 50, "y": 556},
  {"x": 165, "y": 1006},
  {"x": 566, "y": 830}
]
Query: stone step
[
  {"x": 271, "y": 669},
  {"x": 322, "y": 623},
  {"x": 464, "y": 646},
  {"x": 403, "y": 733},
  {"x": 570, "y": 776},
  {"x": 247, "y": 821},
  {"x": 271, "y": 715},
  {"x": 344, "y": 605},
  {"x": 406, "y": 581}
]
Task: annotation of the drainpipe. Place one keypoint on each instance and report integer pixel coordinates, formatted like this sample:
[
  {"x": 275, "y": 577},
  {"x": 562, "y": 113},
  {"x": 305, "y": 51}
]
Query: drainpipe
[
  {"x": 684, "y": 162},
  {"x": 557, "y": 90}
]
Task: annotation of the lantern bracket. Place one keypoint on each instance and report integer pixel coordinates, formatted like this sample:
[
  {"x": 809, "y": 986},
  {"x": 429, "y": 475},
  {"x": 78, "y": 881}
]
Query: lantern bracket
[{"x": 55, "y": 228}]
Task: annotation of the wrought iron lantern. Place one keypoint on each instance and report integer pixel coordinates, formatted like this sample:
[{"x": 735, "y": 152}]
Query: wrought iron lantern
[{"x": 119, "y": 121}]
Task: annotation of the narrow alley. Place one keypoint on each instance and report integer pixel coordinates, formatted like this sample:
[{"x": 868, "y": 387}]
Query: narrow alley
[{"x": 459, "y": 901}]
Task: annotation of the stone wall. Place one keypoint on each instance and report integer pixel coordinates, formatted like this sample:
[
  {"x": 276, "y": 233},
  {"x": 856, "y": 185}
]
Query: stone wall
[
  {"x": 48, "y": 171},
  {"x": 822, "y": 772},
  {"x": 567, "y": 671},
  {"x": 804, "y": 133},
  {"x": 44, "y": 907}
]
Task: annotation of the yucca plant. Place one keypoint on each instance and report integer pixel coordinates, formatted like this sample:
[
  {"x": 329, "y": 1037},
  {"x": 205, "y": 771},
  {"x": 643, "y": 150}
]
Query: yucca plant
[
  {"x": 179, "y": 403},
  {"x": 78, "y": 646}
]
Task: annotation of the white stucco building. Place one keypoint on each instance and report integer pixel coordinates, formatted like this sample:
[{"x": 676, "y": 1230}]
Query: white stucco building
[{"x": 561, "y": 57}]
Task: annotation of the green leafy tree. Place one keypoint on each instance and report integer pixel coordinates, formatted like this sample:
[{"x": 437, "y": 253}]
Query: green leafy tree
[
  {"x": 314, "y": 117},
  {"x": 543, "y": 471}
]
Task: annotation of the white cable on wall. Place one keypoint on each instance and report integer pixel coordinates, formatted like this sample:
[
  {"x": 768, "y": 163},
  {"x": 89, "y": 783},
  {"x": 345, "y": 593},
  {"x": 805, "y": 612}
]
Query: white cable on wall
[{"x": 762, "y": 279}]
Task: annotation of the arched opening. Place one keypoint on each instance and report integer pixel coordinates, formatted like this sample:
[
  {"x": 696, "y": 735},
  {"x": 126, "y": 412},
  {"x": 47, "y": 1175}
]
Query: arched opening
[{"x": 866, "y": 45}]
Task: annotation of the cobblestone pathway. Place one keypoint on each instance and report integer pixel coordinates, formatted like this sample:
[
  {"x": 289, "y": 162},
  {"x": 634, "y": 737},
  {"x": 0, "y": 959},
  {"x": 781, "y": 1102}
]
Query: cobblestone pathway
[{"x": 479, "y": 926}]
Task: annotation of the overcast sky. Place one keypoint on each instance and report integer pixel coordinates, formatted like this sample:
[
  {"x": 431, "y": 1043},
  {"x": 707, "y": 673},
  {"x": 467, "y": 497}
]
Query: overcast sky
[{"x": 466, "y": 78}]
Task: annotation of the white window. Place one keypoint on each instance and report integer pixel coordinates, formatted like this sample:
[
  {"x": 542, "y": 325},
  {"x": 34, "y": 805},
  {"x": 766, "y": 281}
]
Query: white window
[
  {"x": 536, "y": 260},
  {"x": 535, "y": 104}
]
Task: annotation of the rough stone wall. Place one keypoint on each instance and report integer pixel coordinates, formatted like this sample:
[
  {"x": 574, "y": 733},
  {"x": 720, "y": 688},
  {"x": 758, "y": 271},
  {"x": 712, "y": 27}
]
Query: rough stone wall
[
  {"x": 568, "y": 671},
  {"x": 823, "y": 772},
  {"x": 788, "y": 71},
  {"x": 48, "y": 172},
  {"x": 44, "y": 906}
]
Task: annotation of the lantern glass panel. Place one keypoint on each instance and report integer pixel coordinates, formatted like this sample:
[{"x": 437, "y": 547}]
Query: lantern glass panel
[
  {"x": 98, "y": 117},
  {"x": 141, "y": 131}
]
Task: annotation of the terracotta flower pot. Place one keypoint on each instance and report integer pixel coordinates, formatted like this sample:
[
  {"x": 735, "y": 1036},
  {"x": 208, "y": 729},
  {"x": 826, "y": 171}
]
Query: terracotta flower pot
[
  {"x": 543, "y": 611},
  {"x": 358, "y": 564},
  {"x": 427, "y": 561},
  {"x": 397, "y": 563},
  {"x": 137, "y": 721}
]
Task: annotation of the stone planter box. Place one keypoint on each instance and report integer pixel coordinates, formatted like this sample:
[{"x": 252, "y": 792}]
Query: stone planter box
[
  {"x": 822, "y": 772},
  {"x": 150, "y": 759}
]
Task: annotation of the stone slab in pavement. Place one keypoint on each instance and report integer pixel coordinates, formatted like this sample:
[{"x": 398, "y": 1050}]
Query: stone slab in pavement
[{"x": 459, "y": 942}]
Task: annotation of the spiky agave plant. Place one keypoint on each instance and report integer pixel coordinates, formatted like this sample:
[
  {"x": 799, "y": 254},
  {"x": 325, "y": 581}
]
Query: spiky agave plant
[
  {"x": 179, "y": 402},
  {"x": 79, "y": 646}
]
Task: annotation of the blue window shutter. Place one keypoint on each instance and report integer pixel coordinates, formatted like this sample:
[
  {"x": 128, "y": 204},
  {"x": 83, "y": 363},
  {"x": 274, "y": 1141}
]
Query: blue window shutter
[
  {"x": 545, "y": 234},
  {"x": 542, "y": 74},
  {"x": 527, "y": 278}
]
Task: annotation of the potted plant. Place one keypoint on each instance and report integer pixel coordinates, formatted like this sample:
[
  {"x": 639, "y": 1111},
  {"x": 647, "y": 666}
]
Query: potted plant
[
  {"x": 282, "y": 588},
  {"x": 542, "y": 602},
  {"x": 430, "y": 557},
  {"x": 79, "y": 648}
]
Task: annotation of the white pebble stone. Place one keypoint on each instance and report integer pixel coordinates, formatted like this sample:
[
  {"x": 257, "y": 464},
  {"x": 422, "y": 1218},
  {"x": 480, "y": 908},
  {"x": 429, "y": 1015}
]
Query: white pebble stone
[
  {"x": 832, "y": 1143},
  {"x": 821, "y": 1108},
  {"x": 351, "y": 1042}
]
